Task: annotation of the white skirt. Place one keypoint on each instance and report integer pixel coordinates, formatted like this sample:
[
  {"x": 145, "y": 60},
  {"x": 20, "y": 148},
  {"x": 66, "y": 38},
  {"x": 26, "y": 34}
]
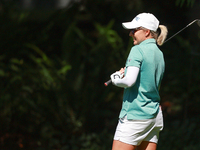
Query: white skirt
[{"x": 133, "y": 132}]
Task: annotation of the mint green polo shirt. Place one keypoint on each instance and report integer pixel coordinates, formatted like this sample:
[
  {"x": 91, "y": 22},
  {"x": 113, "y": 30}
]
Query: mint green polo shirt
[{"x": 141, "y": 101}]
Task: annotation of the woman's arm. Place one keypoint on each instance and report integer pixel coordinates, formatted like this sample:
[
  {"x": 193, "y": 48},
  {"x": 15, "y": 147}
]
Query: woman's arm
[{"x": 130, "y": 78}]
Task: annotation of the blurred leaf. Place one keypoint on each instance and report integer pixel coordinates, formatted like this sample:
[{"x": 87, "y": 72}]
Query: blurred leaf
[
  {"x": 64, "y": 69},
  {"x": 40, "y": 52},
  {"x": 16, "y": 61},
  {"x": 190, "y": 3},
  {"x": 2, "y": 73}
]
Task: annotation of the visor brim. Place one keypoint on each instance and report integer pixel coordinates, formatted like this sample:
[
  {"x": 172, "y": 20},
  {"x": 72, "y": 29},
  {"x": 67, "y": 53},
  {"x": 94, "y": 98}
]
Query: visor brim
[{"x": 130, "y": 25}]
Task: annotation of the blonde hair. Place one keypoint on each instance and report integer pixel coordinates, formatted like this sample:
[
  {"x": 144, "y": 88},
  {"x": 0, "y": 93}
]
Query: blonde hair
[{"x": 160, "y": 36}]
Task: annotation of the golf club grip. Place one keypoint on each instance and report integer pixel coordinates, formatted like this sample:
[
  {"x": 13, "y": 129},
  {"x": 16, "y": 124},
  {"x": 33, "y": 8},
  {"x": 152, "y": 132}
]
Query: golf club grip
[{"x": 108, "y": 82}]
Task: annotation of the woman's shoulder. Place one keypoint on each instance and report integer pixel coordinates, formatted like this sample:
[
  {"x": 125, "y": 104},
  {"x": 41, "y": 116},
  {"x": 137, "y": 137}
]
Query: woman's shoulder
[{"x": 137, "y": 49}]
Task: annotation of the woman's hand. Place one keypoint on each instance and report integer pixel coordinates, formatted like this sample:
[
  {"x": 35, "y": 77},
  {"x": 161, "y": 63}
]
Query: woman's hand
[{"x": 122, "y": 70}]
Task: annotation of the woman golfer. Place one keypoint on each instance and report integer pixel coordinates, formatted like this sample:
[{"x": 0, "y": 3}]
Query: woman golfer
[{"x": 140, "y": 119}]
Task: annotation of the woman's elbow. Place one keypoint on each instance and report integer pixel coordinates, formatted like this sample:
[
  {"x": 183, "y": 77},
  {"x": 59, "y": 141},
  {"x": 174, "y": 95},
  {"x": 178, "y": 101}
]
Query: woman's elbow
[{"x": 130, "y": 84}]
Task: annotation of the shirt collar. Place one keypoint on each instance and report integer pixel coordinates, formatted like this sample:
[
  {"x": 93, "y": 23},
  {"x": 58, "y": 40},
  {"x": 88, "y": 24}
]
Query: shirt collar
[{"x": 148, "y": 41}]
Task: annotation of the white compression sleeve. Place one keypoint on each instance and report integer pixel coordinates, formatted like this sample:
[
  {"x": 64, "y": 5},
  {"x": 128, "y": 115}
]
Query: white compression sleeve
[{"x": 130, "y": 78}]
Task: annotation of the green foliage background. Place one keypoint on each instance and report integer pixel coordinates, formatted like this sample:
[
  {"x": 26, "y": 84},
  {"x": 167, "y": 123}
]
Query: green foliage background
[{"x": 53, "y": 64}]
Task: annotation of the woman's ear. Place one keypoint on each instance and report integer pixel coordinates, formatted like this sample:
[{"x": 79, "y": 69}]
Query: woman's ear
[{"x": 148, "y": 33}]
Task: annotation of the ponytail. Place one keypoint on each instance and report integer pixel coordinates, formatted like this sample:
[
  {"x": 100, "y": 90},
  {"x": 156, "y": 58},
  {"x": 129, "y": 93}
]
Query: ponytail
[{"x": 160, "y": 35}]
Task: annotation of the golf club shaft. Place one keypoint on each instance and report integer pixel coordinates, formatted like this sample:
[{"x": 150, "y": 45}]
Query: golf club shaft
[{"x": 198, "y": 22}]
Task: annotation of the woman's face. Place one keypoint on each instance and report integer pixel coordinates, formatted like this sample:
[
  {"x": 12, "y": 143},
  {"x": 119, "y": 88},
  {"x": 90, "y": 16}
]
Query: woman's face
[{"x": 138, "y": 35}]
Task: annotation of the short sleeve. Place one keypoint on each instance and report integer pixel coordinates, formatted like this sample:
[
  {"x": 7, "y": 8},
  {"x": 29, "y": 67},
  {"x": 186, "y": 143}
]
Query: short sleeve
[{"x": 135, "y": 57}]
